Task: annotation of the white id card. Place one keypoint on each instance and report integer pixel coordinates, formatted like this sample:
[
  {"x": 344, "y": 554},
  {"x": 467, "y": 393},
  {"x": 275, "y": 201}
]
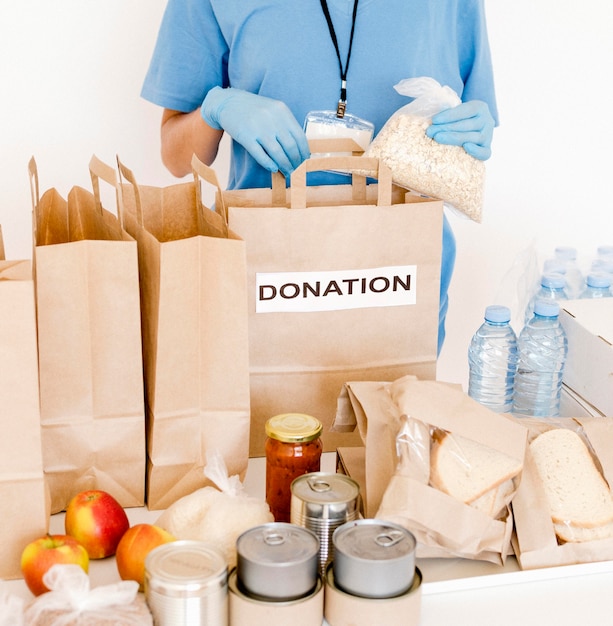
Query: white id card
[{"x": 327, "y": 125}]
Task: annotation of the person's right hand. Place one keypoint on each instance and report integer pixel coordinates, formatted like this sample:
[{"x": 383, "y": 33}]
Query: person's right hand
[{"x": 266, "y": 128}]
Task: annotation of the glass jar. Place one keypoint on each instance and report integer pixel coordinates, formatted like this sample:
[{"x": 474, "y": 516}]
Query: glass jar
[{"x": 293, "y": 448}]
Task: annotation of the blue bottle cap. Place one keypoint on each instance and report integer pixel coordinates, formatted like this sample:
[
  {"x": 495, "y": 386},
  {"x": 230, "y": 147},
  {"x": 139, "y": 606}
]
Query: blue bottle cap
[
  {"x": 498, "y": 314},
  {"x": 605, "y": 250},
  {"x": 603, "y": 265},
  {"x": 598, "y": 279},
  {"x": 545, "y": 308},
  {"x": 568, "y": 253},
  {"x": 553, "y": 280},
  {"x": 556, "y": 266}
]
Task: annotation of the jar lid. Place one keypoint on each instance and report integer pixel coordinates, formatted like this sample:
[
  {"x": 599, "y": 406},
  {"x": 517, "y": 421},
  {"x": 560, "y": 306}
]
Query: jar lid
[{"x": 293, "y": 427}]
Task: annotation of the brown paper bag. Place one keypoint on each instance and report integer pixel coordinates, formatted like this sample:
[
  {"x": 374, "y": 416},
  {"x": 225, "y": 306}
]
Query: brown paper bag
[
  {"x": 90, "y": 356},
  {"x": 398, "y": 464},
  {"x": 346, "y": 289},
  {"x": 194, "y": 302},
  {"x": 23, "y": 503},
  {"x": 535, "y": 540}
]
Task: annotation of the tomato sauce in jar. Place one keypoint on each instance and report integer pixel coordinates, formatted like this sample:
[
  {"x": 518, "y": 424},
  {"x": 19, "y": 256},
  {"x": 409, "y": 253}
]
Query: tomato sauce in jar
[{"x": 293, "y": 448}]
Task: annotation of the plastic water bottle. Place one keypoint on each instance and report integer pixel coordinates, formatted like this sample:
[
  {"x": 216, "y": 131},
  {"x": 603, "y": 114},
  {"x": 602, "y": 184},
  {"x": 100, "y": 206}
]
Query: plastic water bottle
[
  {"x": 492, "y": 360},
  {"x": 604, "y": 251},
  {"x": 542, "y": 347},
  {"x": 554, "y": 266},
  {"x": 603, "y": 264},
  {"x": 552, "y": 288},
  {"x": 574, "y": 277},
  {"x": 597, "y": 285}
]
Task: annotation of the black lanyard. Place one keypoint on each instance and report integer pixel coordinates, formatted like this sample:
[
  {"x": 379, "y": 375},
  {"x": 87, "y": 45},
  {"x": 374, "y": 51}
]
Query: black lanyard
[{"x": 342, "y": 103}]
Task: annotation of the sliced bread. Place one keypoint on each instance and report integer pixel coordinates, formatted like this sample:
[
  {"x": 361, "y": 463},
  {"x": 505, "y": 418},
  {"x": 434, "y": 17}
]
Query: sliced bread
[
  {"x": 494, "y": 501},
  {"x": 577, "y": 494},
  {"x": 575, "y": 534},
  {"x": 467, "y": 470}
]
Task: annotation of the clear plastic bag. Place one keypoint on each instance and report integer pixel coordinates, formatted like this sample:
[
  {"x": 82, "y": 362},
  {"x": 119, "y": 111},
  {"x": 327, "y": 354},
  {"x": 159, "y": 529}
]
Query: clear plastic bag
[
  {"x": 421, "y": 164},
  {"x": 216, "y": 515},
  {"x": 71, "y": 601},
  {"x": 11, "y": 608}
]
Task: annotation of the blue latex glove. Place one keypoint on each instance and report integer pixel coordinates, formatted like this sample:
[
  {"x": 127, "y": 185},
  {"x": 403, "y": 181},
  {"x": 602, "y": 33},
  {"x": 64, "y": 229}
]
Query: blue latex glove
[
  {"x": 266, "y": 128},
  {"x": 469, "y": 125}
]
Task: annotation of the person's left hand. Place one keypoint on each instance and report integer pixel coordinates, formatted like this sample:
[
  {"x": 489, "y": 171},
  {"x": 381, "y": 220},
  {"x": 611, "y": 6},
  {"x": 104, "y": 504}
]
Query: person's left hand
[{"x": 469, "y": 125}]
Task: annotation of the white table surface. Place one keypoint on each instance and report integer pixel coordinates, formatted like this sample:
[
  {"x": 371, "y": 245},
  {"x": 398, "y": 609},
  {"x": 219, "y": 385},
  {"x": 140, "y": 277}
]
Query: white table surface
[{"x": 455, "y": 592}]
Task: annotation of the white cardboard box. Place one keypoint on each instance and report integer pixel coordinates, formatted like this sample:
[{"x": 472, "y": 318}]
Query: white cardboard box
[
  {"x": 573, "y": 405},
  {"x": 589, "y": 366}
]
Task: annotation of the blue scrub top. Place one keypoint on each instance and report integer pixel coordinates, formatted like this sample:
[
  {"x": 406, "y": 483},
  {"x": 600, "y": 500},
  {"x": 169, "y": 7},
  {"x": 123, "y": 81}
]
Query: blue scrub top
[{"x": 284, "y": 50}]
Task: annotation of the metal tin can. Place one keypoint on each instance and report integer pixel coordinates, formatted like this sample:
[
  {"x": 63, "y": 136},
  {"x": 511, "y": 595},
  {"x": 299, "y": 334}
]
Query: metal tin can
[
  {"x": 322, "y": 502},
  {"x": 293, "y": 448},
  {"x": 277, "y": 561},
  {"x": 373, "y": 558},
  {"x": 186, "y": 584}
]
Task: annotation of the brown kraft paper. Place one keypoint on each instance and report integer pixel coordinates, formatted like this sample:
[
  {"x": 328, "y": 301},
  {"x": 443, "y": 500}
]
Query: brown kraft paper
[
  {"x": 398, "y": 487},
  {"x": 24, "y": 506},
  {"x": 535, "y": 541},
  {"x": 195, "y": 343},
  {"x": 89, "y": 340},
  {"x": 304, "y": 346}
]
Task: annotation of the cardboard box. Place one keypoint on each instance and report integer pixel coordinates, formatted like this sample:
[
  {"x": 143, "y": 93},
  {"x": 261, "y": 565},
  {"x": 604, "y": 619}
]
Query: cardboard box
[
  {"x": 573, "y": 405},
  {"x": 589, "y": 366}
]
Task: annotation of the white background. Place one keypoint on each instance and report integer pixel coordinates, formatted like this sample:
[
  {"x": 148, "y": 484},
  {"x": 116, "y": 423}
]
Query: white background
[{"x": 70, "y": 76}]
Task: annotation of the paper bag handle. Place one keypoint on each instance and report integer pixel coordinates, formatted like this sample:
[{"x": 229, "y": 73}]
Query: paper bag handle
[
  {"x": 100, "y": 170},
  {"x": 203, "y": 172},
  {"x": 35, "y": 196},
  {"x": 127, "y": 173},
  {"x": 318, "y": 146},
  {"x": 34, "y": 187},
  {"x": 359, "y": 166}
]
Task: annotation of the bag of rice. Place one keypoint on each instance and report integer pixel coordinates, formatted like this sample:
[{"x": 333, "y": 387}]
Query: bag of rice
[
  {"x": 421, "y": 164},
  {"x": 216, "y": 515}
]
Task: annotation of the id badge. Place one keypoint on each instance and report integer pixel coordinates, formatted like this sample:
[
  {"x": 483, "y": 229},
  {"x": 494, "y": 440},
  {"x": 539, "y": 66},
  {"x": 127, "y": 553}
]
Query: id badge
[{"x": 327, "y": 125}]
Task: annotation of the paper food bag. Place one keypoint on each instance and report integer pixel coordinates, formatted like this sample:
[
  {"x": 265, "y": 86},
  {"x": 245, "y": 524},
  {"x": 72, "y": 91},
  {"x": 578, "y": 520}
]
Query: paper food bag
[
  {"x": 195, "y": 343},
  {"x": 89, "y": 340},
  {"x": 23, "y": 499},
  {"x": 402, "y": 425},
  {"x": 343, "y": 285},
  {"x": 536, "y": 543}
]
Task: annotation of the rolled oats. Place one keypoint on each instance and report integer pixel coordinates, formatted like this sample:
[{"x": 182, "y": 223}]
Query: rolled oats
[{"x": 423, "y": 165}]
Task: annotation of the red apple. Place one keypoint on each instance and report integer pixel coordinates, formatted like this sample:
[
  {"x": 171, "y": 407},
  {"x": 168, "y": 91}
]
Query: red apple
[
  {"x": 97, "y": 521},
  {"x": 134, "y": 547},
  {"x": 39, "y": 555}
]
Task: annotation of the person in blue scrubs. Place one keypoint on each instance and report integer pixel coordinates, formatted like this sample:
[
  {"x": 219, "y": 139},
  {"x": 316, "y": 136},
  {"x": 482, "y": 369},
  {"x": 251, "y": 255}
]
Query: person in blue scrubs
[{"x": 255, "y": 68}]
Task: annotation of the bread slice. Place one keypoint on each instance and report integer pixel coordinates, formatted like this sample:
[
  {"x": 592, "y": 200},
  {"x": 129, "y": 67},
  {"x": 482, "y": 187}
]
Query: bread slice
[
  {"x": 576, "y": 534},
  {"x": 466, "y": 469},
  {"x": 577, "y": 494},
  {"x": 494, "y": 501}
]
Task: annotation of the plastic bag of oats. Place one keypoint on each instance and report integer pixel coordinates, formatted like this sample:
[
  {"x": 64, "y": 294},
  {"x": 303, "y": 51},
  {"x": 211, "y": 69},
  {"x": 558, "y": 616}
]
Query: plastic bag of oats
[{"x": 421, "y": 164}]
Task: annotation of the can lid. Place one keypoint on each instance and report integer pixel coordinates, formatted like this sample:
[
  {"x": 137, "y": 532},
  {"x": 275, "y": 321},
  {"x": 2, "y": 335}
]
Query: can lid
[
  {"x": 373, "y": 540},
  {"x": 293, "y": 427},
  {"x": 181, "y": 564},
  {"x": 324, "y": 490},
  {"x": 278, "y": 543}
]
